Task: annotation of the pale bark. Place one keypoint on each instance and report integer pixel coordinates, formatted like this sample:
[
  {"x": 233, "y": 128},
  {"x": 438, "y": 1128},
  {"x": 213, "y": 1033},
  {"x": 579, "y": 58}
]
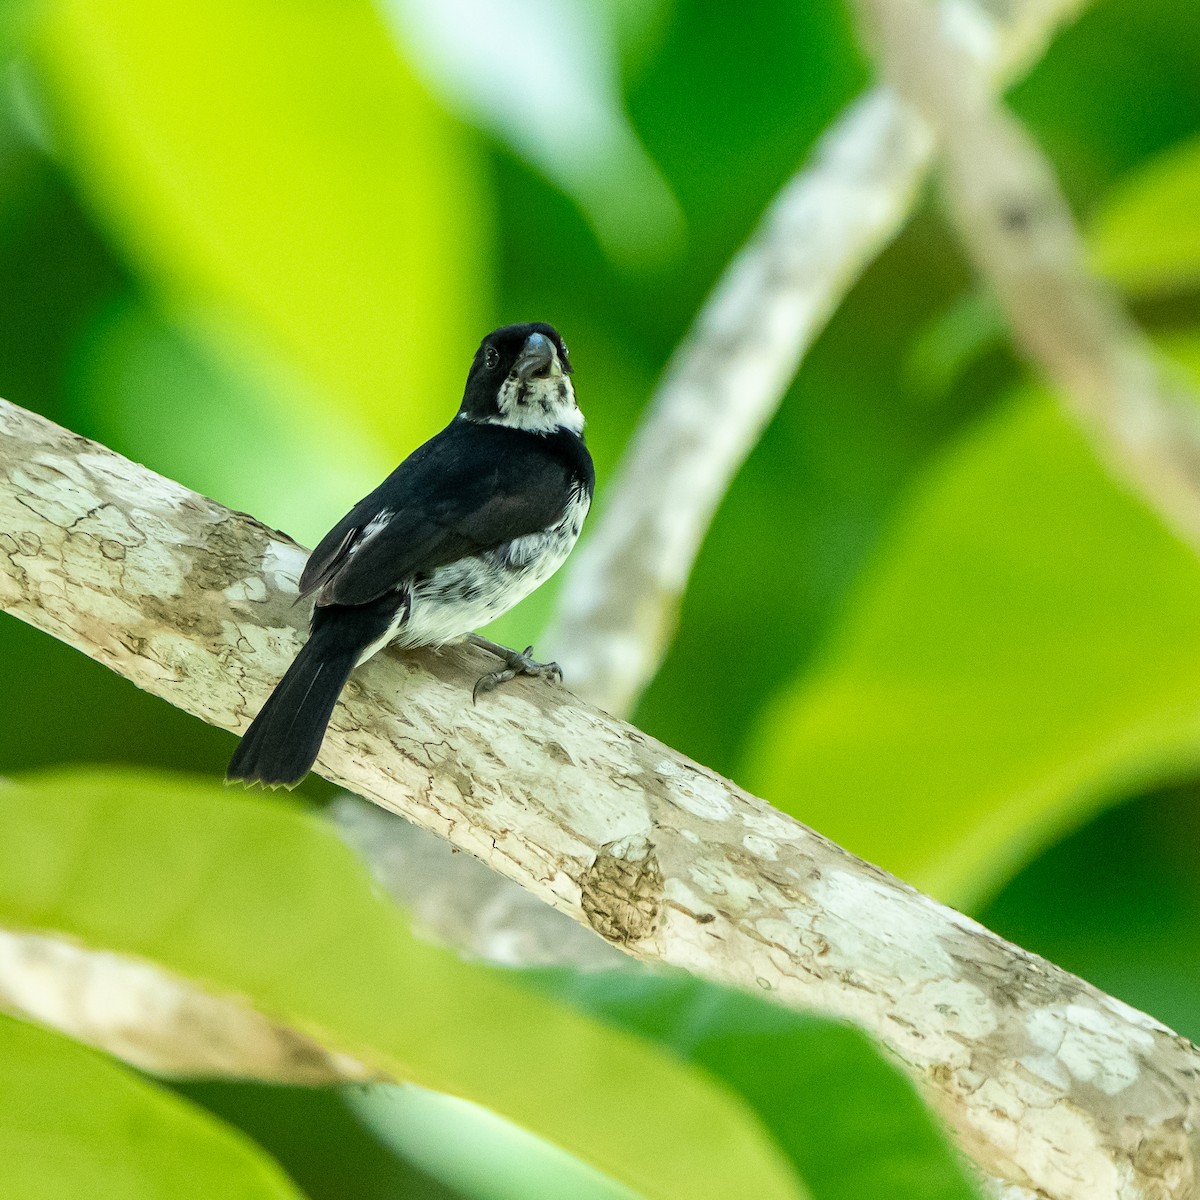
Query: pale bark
[
  {"x": 1013, "y": 220},
  {"x": 618, "y": 606},
  {"x": 156, "y": 1020},
  {"x": 456, "y": 900},
  {"x": 1048, "y": 1083}
]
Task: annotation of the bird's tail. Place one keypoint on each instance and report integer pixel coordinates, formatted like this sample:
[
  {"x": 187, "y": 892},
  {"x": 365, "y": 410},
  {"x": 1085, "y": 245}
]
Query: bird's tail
[{"x": 283, "y": 741}]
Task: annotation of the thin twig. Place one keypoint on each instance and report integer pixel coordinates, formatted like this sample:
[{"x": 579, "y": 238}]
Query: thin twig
[{"x": 1010, "y": 213}]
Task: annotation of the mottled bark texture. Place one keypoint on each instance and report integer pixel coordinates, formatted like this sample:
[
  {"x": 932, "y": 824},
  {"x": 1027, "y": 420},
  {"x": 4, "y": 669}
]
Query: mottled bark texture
[{"x": 1047, "y": 1082}]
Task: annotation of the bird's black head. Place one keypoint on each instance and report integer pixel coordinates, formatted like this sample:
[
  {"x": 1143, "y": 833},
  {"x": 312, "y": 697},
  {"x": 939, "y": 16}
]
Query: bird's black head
[{"x": 521, "y": 378}]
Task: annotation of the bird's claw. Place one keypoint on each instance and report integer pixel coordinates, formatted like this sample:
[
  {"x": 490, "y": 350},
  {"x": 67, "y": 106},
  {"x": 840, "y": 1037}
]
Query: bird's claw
[{"x": 516, "y": 664}]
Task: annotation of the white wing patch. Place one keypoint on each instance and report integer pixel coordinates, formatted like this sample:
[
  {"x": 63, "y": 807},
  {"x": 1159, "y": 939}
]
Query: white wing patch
[{"x": 370, "y": 529}]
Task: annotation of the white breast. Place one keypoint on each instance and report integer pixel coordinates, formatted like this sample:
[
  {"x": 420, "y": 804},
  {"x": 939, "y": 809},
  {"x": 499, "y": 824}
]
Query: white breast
[{"x": 464, "y": 595}]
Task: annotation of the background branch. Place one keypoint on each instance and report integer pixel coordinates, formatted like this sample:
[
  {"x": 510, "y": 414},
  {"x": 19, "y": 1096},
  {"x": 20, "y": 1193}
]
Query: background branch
[
  {"x": 1010, "y": 213},
  {"x": 1047, "y": 1082},
  {"x": 618, "y": 605}
]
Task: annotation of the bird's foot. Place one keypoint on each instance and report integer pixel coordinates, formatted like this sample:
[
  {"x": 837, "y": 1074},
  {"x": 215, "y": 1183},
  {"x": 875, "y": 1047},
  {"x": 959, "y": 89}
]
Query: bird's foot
[{"x": 514, "y": 664}]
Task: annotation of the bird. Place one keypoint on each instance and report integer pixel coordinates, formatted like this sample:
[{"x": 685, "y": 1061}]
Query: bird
[{"x": 465, "y": 527}]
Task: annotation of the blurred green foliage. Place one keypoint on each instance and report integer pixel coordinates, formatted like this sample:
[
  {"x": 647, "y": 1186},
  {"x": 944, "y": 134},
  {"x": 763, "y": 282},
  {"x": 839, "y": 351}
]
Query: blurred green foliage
[
  {"x": 250, "y": 898},
  {"x": 76, "y": 1124},
  {"x": 1146, "y": 235},
  {"x": 257, "y": 902},
  {"x": 277, "y": 162},
  {"x": 991, "y": 680},
  {"x": 243, "y": 244}
]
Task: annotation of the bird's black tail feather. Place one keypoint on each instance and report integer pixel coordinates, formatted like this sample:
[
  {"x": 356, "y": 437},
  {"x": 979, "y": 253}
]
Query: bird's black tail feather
[{"x": 283, "y": 741}]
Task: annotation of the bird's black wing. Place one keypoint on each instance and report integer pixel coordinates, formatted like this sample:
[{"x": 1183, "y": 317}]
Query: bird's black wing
[
  {"x": 331, "y": 551},
  {"x": 471, "y": 488}
]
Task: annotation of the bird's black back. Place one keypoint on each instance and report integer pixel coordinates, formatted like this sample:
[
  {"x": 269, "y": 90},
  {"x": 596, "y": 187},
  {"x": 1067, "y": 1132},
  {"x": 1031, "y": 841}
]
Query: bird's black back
[{"x": 473, "y": 487}]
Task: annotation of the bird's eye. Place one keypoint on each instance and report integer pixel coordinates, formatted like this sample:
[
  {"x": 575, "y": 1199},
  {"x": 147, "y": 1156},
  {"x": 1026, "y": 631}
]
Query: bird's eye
[{"x": 491, "y": 358}]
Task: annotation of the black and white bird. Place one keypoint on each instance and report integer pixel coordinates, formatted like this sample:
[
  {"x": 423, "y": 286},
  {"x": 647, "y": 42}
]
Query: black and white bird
[{"x": 465, "y": 527}]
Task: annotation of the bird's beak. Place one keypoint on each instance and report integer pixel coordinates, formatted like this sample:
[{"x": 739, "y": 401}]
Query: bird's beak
[{"x": 538, "y": 359}]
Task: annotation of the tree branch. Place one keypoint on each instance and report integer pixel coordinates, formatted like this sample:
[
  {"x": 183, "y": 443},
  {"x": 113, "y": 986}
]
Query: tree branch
[
  {"x": 618, "y": 605},
  {"x": 1048, "y": 1083},
  {"x": 456, "y": 900},
  {"x": 156, "y": 1020},
  {"x": 1015, "y": 223}
]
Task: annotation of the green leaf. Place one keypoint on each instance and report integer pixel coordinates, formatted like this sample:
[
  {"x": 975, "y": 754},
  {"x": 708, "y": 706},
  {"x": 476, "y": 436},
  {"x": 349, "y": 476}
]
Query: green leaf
[
  {"x": 316, "y": 1137},
  {"x": 247, "y": 897},
  {"x": 1026, "y": 647},
  {"x": 73, "y": 1123},
  {"x": 474, "y": 1151},
  {"x": 1146, "y": 236},
  {"x": 850, "y": 1121},
  {"x": 277, "y": 164}
]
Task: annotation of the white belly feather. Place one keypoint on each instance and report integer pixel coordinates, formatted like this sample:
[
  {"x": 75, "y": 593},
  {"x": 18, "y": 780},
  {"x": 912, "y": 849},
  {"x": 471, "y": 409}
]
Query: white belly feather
[{"x": 463, "y": 595}]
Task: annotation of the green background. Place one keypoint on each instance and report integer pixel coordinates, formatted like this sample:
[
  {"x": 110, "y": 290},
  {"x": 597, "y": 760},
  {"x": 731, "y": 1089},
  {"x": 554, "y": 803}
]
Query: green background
[{"x": 253, "y": 246}]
